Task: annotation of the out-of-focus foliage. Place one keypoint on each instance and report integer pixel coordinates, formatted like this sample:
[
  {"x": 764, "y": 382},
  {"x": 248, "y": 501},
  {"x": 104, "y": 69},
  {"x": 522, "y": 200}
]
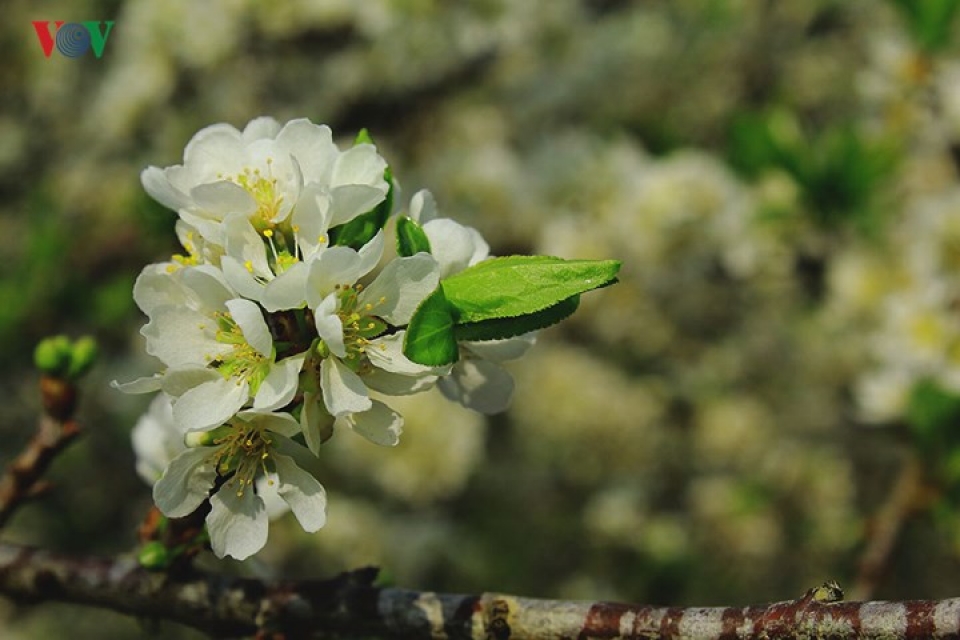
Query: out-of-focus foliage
[{"x": 779, "y": 180}]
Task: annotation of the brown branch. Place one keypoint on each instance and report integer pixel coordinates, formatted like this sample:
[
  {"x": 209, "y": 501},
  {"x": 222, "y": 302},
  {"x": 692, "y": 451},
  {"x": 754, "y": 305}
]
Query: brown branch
[
  {"x": 905, "y": 500},
  {"x": 350, "y": 605},
  {"x": 23, "y": 477}
]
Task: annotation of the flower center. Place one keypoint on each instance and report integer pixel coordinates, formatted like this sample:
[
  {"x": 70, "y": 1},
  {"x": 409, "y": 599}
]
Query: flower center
[
  {"x": 264, "y": 190},
  {"x": 244, "y": 363},
  {"x": 360, "y": 326},
  {"x": 191, "y": 259},
  {"x": 242, "y": 449}
]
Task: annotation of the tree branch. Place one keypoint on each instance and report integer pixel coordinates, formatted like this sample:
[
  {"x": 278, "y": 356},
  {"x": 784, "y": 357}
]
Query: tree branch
[
  {"x": 22, "y": 479},
  {"x": 351, "y": 605}
]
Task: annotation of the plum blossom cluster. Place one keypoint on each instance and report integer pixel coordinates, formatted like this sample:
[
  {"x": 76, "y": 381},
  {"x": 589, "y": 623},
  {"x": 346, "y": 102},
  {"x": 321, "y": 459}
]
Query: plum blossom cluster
[{"x": 282, "y": 322}]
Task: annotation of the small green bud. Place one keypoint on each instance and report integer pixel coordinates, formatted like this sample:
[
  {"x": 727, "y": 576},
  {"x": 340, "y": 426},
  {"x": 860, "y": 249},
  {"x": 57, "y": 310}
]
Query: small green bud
[
  {"x": 52, "y": 355},
  {"x": 154, "y": 556},
  {"x": 83, "y": 355},
  {"x": 363, "y": 137}
]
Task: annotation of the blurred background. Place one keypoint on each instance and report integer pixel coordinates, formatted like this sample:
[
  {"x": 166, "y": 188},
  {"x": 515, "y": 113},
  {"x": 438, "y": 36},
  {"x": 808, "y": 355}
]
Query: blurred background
[{"x": 769, "y": 396}]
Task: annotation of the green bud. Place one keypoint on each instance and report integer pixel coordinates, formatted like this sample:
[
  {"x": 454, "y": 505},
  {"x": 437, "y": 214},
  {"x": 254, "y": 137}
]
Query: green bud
[
  {"x": 154, "y": 556},
  {"x": 83, "y": 355},
  {"x": 52, "y": 355},
  {"x": 363, "y": 137}
]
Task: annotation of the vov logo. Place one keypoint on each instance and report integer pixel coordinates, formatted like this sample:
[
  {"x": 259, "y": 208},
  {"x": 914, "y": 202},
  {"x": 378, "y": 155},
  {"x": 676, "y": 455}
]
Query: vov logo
[{"x": 73, "y": 39}]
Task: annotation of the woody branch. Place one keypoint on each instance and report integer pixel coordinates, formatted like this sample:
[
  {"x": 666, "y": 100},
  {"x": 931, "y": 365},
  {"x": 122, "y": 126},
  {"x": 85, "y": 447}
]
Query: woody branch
[{"x": 350, "y": 604}]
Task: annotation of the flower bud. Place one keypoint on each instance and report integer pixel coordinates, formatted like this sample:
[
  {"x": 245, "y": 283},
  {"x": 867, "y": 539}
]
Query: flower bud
[
  {"x": 52, "y": 355},
  {"x": 207, "y": 438},
  {"x": 82, "y": 357},
  {"x": 154, "y": 556}
]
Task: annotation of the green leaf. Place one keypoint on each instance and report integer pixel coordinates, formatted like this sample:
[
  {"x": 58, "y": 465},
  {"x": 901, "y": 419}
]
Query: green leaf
[
  {"x": 411, "y": 238},
  {"x": 930, "y": 21},
  {"x": 500, "y": 328},
  {"x": 430, "y": 338},
  {"x": 521, "y": 285}
]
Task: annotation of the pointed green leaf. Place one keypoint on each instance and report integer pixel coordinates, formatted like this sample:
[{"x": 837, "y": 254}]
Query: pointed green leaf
[
  {"x": 411, "y": 238},
  {"x": 501, "y": 328},
  {"x": 521, "y": 285},
  {"x": 430, "y": 339}
]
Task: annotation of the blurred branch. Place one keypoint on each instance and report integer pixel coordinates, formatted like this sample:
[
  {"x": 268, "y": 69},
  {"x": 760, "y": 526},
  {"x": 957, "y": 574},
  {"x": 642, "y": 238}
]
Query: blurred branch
[
  {"x": 22, "y": 478},
  {"x": 350, "y": 605},
  {"x": 904, "y": 501}
]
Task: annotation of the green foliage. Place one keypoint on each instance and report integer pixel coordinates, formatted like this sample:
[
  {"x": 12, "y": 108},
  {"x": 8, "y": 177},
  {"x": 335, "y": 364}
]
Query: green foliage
[
  {"x": 933, "y": 415},
  {"x": 500, "y": 298},
  {"x": 430, "y": 338},
  {"x": 930, "y": 22},
  {"x": 837, "y": 168}
]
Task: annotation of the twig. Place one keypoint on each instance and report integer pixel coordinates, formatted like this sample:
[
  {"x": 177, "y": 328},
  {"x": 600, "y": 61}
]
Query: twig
[
  {"x": 904, "y": 501},
  {"x": 22, "y": 479},
  {"x": 350, "y": 605}
]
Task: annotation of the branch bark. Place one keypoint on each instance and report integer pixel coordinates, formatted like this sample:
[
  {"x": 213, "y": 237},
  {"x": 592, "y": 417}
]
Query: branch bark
[{"x": 350, "y": 605}]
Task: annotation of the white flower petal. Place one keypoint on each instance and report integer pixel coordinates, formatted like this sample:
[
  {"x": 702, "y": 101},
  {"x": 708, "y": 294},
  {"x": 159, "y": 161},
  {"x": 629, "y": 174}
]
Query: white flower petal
[
  {"x": 334, "y": 266},
  {"x": 146, "y": 384},
  {"x": 156, "y": 183},
  {"x": 396, "y": 384},
  {"x": 302, "y": 492},
  {"x": 282, "y": 423},
  {"x": 156, "y": 287},
  {"x": 351, "y": 200},
  {"x": 249, "y": 318},
  {"x": 401, "y": 286},
  {"x": 380, "y": 425},
  {"x": 245, "y": 244},
  {"x": 330, "y": 326},
  {"x": 423, "y": 207},
  {"x": 156, "y": 440},
  {"x": 280, "y": 385},
  {"x": 370, "y": 254},
  {"x": 185, "y": 484},
  {"x": 207, "y": 287},
  {"x": 210, "y": 404},
  {"x": 177, "y": 381},
  {"x": 503, "y": 350},
  {"x": 360, "y": 164},
  {"x": 343, "y": 390},
  {"x": 312, "y": 145},
  {"x": 242, "y": 281},
  {"x": 288, "y": 290},
  {"x": 237, "y": 525},
  {"x": 267, "y": 486},
  {"x": 316, "y": 424},
  {"x": 262, "y": 127},
  {"x": 212, "y": 152},
  {"x": 454, "y": 246},
  {"x": 480, "y": 385},
  {"x": 386, "y": 353},
  {"x": 182, "y": 337},
  {"x": 222, "y": 198}
]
